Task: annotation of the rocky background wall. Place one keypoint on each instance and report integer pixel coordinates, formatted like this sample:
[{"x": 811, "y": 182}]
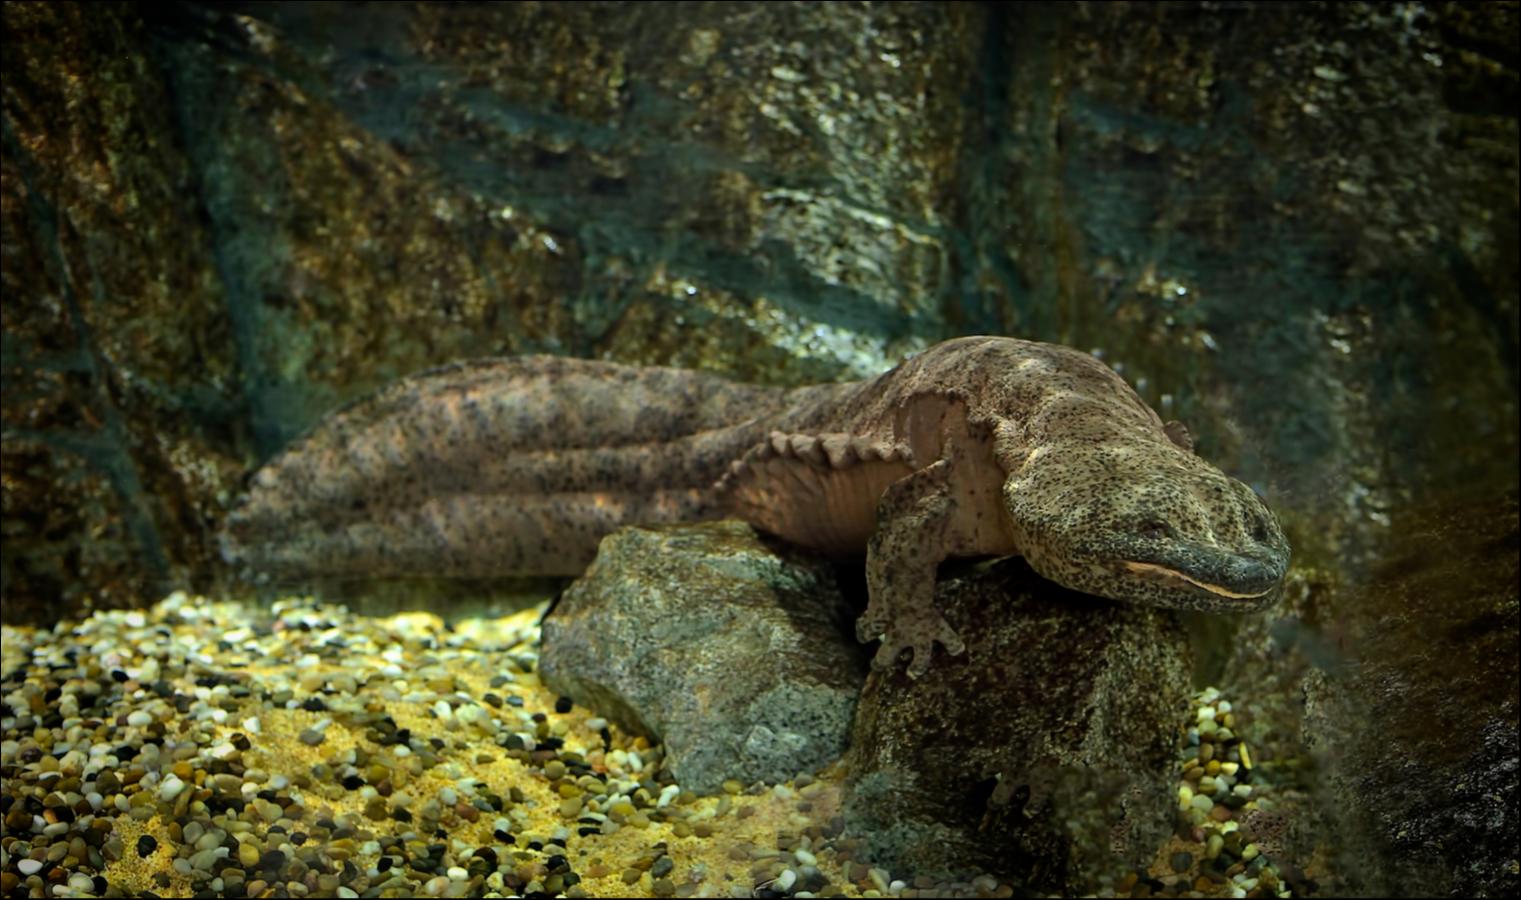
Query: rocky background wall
[{"x": 1293, "y": 227}]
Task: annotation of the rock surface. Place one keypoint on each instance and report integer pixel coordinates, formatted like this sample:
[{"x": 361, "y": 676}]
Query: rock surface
[
  {"x": 1415, "y": 724},
  {"x": 1041, "y": 751},
  {"x": 736, "y": 655}
]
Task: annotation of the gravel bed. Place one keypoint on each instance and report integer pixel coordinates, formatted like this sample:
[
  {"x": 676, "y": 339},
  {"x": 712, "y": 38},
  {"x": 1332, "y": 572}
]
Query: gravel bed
[
  {"x": 204, "y": 748},
  {"x": 1228, "y": 827}
]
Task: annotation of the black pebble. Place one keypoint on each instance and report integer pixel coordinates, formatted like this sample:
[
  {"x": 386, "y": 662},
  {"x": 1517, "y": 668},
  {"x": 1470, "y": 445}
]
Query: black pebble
[
  {"x": 118, "y": 676},
  {"x": 352, "y": 782},
  {"x": 563, "y": 705},
  {"x": 241, "y": 741},
  {"x": 146, "y": 845}
]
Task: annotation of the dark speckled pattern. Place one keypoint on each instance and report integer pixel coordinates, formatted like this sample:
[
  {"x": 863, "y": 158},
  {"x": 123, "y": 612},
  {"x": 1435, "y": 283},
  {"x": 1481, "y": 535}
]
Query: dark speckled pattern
[{"x": 978, "y": 446}]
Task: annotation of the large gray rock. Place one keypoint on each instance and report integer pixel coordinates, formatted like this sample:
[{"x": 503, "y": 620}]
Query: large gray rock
[
  {"x": 736, "y": 655},
  {"x": 1043, "y": 752}
]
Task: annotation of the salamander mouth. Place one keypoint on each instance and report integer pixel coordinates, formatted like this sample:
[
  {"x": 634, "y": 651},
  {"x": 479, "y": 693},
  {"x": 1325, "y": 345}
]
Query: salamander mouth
[{"x": 1256, "y": 588}]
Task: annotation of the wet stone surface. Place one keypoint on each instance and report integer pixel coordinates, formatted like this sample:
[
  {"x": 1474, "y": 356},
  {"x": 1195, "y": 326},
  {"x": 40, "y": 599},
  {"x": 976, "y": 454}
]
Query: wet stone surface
[
  {"x": 1043, "y": 753},
  {"x": 735, "y": 654}
]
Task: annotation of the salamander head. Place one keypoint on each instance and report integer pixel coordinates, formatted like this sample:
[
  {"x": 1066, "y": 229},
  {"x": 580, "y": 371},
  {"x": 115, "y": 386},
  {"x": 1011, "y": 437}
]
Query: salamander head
[{"x": 1146, "y": 522}]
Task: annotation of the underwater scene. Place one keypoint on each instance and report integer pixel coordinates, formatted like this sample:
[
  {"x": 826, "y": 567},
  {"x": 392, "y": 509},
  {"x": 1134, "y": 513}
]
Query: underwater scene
[{"x": 759, "y": 449}]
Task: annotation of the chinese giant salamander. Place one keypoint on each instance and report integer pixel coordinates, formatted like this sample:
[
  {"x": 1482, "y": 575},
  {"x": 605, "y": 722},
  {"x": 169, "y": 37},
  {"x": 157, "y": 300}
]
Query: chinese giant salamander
[{"x": 978, "y": 446}]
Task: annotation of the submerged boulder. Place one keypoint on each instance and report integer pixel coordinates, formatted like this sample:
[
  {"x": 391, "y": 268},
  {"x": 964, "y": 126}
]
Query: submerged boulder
[
  {"x": 736, "y": 655},
  {"x": 1042, "y": 752}
]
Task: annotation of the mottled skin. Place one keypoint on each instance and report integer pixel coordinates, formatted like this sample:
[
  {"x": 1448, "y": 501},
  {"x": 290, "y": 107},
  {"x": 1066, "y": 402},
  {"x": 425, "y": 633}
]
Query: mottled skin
[{"x": 979, "y": 446}]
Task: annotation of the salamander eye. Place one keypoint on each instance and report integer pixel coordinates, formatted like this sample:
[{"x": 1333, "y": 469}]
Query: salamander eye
[{"x": 1154, "y": 530}]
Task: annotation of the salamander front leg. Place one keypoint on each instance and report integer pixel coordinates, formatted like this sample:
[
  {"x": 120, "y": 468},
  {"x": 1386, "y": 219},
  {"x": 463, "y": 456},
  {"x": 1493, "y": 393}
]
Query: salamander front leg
[{"x": 913, "y": 518}]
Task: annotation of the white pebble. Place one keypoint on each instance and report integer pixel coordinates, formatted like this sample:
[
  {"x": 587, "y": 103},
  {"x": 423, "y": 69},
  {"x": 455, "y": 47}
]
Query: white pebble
[
  {"x": 139, "y": 718},
  {"x": 804, "y": 857},
  {"x": 251, "y": 724},
  {"x": 596, "y": 724},
  {"x": 171, "y": 788},
  {"x": 29, "y": 866},
  {"x": 667, "y": 794},
  {"x": 785, "y": 880},
  {"x": 457, "y": 874},
  {"x": 81, "y": 882}
]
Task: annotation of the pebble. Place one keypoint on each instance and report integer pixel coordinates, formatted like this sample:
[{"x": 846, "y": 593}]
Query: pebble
[
  {"x": 170, "y": 788},
  {"x": 29, "y": 866},
  {"x": 248, "y": 854}
]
